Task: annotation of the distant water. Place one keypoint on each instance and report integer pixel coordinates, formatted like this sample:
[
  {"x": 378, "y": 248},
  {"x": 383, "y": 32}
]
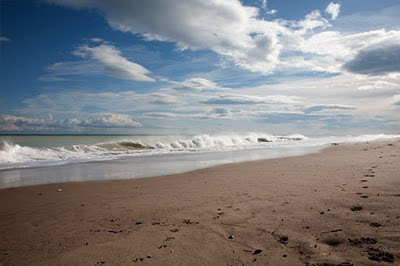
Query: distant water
[{"x": 38, "y": 159}]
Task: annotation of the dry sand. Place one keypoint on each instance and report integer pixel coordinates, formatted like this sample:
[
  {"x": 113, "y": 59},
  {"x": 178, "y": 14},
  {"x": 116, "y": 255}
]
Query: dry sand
[{"x": 337, "y": 207}]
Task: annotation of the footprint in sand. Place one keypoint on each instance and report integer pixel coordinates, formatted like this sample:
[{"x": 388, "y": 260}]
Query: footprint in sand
[
  {"x": 374, "y": 224},
  {"x": 356, "y": 208},
  {"x": 363, "y": 240},
  {"x": 379, "y": 255}
]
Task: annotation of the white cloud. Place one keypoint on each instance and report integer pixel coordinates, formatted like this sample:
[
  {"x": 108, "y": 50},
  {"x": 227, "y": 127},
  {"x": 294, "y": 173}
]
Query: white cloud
[
  {"x": 272, "y": 11},
  {"x": 343, "y": 99},
  {"x": 237, "y": 33},
  {"x": 340, "y": 90},
  {"x": 112, "y": 120},
  {"x": 196, "y": 84},
  {"x": 377, "y": 85},
  {"x": 333, "y": 9},
  {"x": 4, "y": 39},
  {"x": 226, "y": 27},
  {"x": 19, "y": 123},
  {"x": 329, "y": 51},
  {"x": 17, "y": 120},
  {"x": 62, "y": 70},
  {"x": 115, "y": 64},
  {"x": 96, "y": 39},
  {"x": 312, "y": 21},
  {"x": 111, "y": 61}
]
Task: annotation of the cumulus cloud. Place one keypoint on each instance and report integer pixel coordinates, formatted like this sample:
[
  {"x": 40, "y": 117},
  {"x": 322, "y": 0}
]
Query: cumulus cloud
[
  {"x": 330, "y": 51},
  {"x": 20, "y": 123},
  {"x": 378, "y": 59},
  {"x": 312, "y": 21},
  {"x": 19, "y": 120},
  {"x": 333, "y": 9},
  {"x": 115, "y": 64},
  {"x": 235, "y": 32},
  {"x": 225, "y": 27},
  {"x": 112, "y": 120},
  {"x": 4, "y": 39}
]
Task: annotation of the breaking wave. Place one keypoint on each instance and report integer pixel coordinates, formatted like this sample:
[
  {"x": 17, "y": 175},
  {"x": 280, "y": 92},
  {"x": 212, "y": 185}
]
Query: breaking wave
[{"x": 16, "y": 156}]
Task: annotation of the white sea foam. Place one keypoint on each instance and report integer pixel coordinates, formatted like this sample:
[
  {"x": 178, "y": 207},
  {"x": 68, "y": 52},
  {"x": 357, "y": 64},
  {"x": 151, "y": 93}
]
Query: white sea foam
[{"x": 16, "y": 156}]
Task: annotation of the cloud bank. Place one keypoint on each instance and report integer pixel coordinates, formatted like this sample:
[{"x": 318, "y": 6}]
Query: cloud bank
[{"x": 19, "y": 123}]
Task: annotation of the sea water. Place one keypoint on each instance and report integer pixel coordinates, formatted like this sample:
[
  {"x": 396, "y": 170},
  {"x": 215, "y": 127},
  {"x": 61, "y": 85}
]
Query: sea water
[{"x": 40, "y": 159}]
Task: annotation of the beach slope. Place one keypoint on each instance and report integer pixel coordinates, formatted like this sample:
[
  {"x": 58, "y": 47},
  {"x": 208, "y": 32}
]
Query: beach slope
[{"x": 337, "y": 207}]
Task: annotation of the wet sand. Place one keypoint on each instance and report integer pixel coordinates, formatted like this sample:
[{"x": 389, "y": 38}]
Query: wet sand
[{"x": 337, "y": 207}]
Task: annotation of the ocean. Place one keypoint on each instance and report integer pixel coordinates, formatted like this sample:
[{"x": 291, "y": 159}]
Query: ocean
[{"x": 40, "y": 159}]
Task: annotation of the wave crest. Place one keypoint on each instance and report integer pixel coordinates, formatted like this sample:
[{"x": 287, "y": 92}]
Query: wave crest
[{"x": 15, "y": 155}]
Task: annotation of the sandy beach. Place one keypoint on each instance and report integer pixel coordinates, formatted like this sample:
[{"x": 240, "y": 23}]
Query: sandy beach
[{"x": 337, "y": 207}]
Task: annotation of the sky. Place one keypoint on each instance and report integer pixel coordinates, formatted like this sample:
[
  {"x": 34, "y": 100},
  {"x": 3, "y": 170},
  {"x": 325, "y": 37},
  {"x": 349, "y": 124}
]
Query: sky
[{"x": 195, "y": 66}]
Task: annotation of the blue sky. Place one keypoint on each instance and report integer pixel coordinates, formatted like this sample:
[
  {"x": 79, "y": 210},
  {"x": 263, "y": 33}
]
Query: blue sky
[{"x": 277, "y": 66}]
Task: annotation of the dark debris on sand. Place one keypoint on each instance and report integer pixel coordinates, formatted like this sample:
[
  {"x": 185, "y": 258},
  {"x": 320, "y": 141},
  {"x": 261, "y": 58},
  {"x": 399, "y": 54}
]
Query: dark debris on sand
[
  {"x": 379, "y": 255},
  {"x": 188, "y": 221},
  {"x": 356, "y": 208},
  {"x": 362, "y": 240},
  {"x": 374, "y": 224},
  {"x": 345, "y": 264},
  {"x": 257, "y": 251},
  {"x": 280, "y": 238}
]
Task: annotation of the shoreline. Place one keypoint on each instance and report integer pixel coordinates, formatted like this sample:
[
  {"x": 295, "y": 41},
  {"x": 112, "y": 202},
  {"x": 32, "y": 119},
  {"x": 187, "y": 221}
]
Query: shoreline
[
  {"x": 127, "y": 168},
  {"x": 324, "y": 207},
  {"x": 24, "y": 172}
]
